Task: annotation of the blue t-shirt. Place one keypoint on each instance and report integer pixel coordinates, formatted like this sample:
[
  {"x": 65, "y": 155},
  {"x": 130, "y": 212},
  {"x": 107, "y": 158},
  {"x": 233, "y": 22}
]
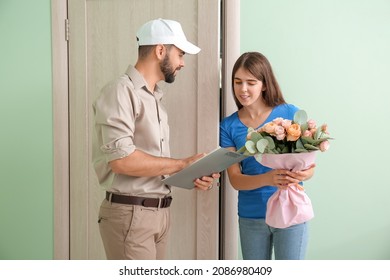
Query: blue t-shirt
[{"x": 252, "y": 203}]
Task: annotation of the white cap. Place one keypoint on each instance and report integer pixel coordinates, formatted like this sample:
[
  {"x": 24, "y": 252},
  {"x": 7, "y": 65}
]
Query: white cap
[{"x": 164, "y": 31}]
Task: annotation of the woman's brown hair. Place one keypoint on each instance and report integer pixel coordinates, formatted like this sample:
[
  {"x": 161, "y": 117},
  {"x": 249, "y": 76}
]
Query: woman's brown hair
[{"x": 259, "y": 66}]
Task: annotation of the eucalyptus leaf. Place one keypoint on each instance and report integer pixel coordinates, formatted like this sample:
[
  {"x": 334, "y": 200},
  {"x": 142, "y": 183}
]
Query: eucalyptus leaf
[
  {"x": 250, "y": 147},
  {"x": 271, "y": 143},
  {"x": 242, "y": 150},
  {"x": 255, "y": 136},
  {"x": 258, "y": 157},
  {"x": 300, "y": 117},
  {"x": 261, "y": 145}
]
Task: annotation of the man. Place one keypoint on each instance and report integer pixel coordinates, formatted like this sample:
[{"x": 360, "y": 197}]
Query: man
[{"x": 131, "y": 148}]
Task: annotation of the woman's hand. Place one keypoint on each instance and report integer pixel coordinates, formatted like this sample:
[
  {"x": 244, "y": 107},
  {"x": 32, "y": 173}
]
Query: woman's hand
[
  {"x": 302, "y": 175},
  {"x": 281, "y": 178}
]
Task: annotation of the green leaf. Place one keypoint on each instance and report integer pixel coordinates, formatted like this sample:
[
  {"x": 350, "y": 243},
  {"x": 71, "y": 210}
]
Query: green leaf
[
  {"x": 299, "y": 144},
  {"x": 300, "y": 117},
  {"x": 255, "y": 136},
  {"x": 318, "y": 133},
  {"x": 261, "y": 145},
  {"x": 271, "y": 142},
  {"x": 304, "y": 127},
  {"x": 250, "y": 147},
  {"x": 301, "y": 150},
  {"x": 284, "y": 150},
  {"x": 308, "y": 140},
  {"x": 311, "y": 147},
  {"x": 242, "y": 150},
  {"x": 258, "y": 157},
  {"x": 251, "y": 129},
  {"x": 314, "y": 142}
]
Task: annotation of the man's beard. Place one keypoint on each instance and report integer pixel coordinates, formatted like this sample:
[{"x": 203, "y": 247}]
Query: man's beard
[{"x": 166, "y": 69}]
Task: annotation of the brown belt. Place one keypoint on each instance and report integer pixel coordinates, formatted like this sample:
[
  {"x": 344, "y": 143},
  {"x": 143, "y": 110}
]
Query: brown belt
[{"x": 137, "y": 200}]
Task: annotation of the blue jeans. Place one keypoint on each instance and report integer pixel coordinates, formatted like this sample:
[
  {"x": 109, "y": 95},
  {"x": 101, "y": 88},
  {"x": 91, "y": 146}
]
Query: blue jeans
[{"x": 258, "y": 239}]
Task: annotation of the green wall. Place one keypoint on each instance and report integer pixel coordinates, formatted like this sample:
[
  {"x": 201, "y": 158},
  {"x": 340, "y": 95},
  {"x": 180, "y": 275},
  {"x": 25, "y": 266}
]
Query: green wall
[
  {"x": 26, "y": 173},
  {"x": 332, "y": 58}
]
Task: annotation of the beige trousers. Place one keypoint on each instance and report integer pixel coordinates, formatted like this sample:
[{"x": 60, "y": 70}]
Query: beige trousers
[{"x": 132, "y": 232}]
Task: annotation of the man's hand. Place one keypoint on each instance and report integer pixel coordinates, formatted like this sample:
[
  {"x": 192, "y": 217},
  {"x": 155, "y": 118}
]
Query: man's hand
[{"x": 206, "y": 182}]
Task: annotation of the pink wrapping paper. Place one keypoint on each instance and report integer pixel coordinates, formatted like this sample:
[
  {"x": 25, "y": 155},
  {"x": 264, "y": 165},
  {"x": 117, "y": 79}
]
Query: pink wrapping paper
[{"x": 291, "y": 206}]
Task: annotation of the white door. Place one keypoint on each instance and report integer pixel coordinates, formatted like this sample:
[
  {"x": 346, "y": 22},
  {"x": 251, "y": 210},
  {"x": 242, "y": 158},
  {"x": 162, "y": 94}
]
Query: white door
[{"x": 101, "y": 45}]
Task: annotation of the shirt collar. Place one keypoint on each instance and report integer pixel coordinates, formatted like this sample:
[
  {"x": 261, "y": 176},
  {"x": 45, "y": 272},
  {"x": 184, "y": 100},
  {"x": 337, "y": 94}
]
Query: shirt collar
[{"x": 139, "y": 82}]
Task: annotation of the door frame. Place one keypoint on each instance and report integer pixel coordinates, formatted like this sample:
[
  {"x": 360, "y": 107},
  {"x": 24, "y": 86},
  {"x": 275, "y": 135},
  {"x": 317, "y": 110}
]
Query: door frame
[
  {"x": 61, "y": 160},
  {"x": 230, "y": 31},
  {"x": 60, "y": 91}
]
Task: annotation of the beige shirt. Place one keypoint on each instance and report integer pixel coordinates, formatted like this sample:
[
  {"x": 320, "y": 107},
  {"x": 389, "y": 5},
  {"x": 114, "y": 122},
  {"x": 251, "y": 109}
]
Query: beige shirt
[{"x": 128, "y": 117}]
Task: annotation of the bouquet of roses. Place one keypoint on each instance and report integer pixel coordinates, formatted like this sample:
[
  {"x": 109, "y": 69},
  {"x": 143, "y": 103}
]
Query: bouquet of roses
[{"x": 291, "y": 145}]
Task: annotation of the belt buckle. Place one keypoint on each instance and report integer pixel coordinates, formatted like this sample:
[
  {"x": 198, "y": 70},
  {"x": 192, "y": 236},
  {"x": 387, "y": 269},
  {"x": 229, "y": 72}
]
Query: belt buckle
[{"x": 164, "y": 202}]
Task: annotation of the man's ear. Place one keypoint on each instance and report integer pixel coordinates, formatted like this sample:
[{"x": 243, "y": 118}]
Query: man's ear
[{"x": 160, "y": 51}]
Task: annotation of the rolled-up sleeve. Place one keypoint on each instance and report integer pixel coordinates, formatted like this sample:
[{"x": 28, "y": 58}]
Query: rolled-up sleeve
[{"x": 115, "y": 115}]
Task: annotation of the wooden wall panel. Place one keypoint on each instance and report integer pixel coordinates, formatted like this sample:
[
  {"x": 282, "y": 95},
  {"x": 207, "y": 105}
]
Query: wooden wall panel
[{"x": 102, "y": 44}]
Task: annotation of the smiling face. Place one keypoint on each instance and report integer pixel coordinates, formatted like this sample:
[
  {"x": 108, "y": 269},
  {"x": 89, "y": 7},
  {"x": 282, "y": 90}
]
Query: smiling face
[
  {"x": 254, "y": 68},
  {"x": 247, "y": 88}
]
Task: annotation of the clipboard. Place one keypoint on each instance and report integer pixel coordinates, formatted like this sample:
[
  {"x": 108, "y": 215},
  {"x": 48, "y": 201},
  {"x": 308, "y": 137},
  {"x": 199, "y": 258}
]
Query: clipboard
[{"x": 214, "y": 162}]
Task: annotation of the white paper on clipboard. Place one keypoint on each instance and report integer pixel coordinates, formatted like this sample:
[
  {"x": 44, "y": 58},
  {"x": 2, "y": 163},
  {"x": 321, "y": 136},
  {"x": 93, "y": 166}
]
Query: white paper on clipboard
[{"x": 214, "y": 162}]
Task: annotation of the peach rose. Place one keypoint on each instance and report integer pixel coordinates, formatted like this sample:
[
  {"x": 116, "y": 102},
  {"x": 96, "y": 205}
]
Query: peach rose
[
  {"x": 269, "y": 127},
  {"x": 293, "y": 132},
  {"x": 286, "y": 123}
]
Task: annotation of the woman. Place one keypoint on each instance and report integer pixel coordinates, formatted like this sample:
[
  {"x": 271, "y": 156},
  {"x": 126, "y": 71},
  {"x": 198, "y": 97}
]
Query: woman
[{"x": 260, "y": 100}]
